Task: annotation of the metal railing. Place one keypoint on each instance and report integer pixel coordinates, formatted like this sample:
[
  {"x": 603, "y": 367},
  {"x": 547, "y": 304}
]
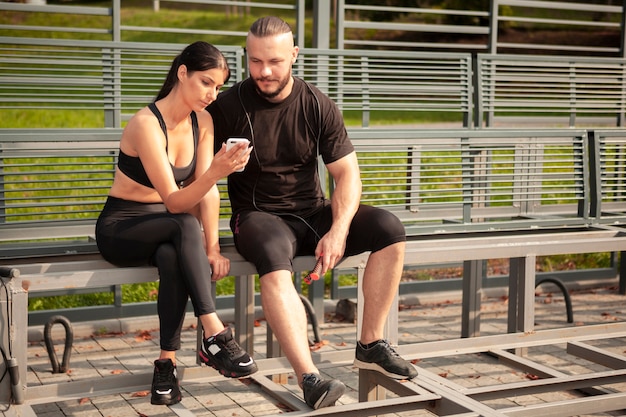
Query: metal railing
[
  {"x": 455, "y": 27},
  {"x": 107, "y": 22},
  {"x": 459, "y": 28}
]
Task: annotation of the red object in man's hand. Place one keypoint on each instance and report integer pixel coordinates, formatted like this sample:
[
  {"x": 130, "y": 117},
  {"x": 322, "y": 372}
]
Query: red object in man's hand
[{"x": 314, "y": 275}]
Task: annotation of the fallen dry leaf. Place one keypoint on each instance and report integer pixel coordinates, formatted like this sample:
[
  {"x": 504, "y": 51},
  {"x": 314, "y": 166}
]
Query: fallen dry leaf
[
  {"x": 283, "y": 407},
  {"x": 140, "y": 394},
  {"x": 143, "y": 335}
]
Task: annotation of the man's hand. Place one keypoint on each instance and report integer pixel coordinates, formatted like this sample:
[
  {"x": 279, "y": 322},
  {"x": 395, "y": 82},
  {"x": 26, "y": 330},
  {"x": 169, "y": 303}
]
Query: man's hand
[{"x": 331, "y": 249}]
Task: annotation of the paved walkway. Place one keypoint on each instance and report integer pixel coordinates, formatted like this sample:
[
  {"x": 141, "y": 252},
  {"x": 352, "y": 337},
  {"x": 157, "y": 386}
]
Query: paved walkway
[{"x": 127, "y": 353}]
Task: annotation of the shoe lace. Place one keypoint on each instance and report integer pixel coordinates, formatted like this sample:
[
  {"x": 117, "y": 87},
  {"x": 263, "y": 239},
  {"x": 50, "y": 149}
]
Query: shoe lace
[
  {"x": 310, "y": 380},
  {"x": 390, "y": 349},
  {"x": 232, "y": 348},
  {"x": 163, "y": 376}
]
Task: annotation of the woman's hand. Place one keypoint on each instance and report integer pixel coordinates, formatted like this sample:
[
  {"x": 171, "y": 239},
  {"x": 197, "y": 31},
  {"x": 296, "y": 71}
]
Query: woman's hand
[
  {"x": 225, "y": 162},
  {"x": 220, "y": 265}
]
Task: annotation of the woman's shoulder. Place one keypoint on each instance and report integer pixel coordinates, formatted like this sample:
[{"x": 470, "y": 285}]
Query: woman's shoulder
[
  {"x": 141, "y": 118},
  {"x": 205, "y": 124},
  {"x": 141, "y": 124}
]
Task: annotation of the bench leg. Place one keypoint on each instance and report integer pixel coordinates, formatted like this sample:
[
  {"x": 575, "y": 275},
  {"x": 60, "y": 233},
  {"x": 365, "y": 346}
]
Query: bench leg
[
  {"x": 473, "y": 272},
  {"x": 14, "y": 325},
  {"x": 622, "y": 273},
  {"x": 244, "y": 312},
  {"x": 521, "y": 315}
]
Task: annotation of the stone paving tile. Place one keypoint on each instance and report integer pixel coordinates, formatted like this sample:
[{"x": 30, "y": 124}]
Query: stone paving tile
[{"x": 134, "y": 352}]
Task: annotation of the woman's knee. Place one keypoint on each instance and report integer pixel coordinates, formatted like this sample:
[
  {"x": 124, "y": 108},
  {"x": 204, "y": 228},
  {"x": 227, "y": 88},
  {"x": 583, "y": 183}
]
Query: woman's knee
[{"x": 165, "y": 256}]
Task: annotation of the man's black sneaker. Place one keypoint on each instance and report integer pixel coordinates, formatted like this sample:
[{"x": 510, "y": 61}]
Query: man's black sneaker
[
  {"x": 224, "y": 354},
  {"x": 165, "y": 390},
  {"x": 319, "y": 393},
  {"x": 383, "y": 358}
]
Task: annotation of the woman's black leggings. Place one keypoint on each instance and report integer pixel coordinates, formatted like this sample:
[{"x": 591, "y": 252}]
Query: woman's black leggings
[{"x": 134, "y": 234}]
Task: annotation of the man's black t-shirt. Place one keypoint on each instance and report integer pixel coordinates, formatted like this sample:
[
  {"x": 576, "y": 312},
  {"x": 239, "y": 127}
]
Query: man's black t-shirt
[{"x": 281, "y": 176}]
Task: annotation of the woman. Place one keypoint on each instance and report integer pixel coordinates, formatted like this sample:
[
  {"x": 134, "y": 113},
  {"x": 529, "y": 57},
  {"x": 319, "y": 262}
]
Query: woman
[{"x": 163, "y": 210}]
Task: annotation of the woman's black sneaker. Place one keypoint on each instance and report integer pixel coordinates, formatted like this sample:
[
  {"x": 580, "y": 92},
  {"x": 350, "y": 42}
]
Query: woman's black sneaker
[
  {"x": 319, "y": 393},
  {"x": 165, "y": 389},
  {"x": 224, "y": 354}
]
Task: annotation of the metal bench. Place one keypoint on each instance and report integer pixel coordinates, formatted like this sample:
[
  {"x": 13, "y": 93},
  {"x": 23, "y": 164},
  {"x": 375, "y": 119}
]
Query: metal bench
[
  {"x": 609, "y": 186},
  {"x": 477, "y": 194},
  {"x": 387, "y": 82},
  {"x": 105, "y": 82},
  {"x": 108, "y": 81},
  {"x": 552, "y": 90},
  {"x": 464, "y": 195},
  {"x": 441, "y": 183}
]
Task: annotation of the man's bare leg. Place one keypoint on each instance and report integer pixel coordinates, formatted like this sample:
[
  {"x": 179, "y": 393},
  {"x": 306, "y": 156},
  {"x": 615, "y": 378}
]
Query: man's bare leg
[
  {"x": 380, "y": 286},
  {"x": 286, "y": 316}
]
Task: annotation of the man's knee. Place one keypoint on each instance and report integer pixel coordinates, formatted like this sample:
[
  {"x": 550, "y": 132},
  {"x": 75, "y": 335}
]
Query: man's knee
[{"x": 387, "y": 230}]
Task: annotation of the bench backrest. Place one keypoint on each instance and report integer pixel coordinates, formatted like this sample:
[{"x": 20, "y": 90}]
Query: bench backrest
[
  {"x": 105, "y": 81},
  {"x": 444, "y": 181},
  {"x": 553, "y": 90},
  {"x": 53, "y": 182},
  {"x": 54, "y": 178},
  {"x": 609, "y": 184},
  {"x": 389, "y": 82}
]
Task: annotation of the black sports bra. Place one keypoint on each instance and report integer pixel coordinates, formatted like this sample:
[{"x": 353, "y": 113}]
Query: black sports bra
[{"x": 132, "y": 167}]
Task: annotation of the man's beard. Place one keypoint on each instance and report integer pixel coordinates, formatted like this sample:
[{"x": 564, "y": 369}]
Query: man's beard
[{"x": 281, "y": 86}]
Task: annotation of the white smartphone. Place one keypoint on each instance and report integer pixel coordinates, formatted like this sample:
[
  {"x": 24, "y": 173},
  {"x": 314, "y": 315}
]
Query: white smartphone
[{"x": 232, "y": 141}]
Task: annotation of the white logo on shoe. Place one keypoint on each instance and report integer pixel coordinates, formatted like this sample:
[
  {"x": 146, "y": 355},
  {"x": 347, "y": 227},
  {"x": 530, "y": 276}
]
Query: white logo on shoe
[
  {"x": 214, "y": 349},
  {"x": 163, "y": 392},
  {"x": 250, "y": 362}
]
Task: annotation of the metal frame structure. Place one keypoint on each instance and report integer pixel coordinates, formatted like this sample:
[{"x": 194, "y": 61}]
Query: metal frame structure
[
  {"x": 113, "y": 29},
  {"x": 480, "y": 30},
  {"x": 429, "y": 391}
]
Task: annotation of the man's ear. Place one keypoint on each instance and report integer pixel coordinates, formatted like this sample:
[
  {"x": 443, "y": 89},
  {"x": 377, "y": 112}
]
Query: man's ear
[{"x": 294, "y": 54}]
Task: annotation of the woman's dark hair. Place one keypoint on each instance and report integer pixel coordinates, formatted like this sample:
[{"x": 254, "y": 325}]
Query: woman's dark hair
[{"x": 198, "y": 56}]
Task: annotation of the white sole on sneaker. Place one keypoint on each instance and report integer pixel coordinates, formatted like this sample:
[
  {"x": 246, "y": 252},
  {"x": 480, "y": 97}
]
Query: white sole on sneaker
[{"x": 376, "y": 367}]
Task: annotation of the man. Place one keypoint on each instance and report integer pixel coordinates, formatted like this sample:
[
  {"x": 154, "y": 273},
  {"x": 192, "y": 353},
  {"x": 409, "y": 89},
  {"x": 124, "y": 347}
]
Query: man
[{"x": 279, "y": 210}]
